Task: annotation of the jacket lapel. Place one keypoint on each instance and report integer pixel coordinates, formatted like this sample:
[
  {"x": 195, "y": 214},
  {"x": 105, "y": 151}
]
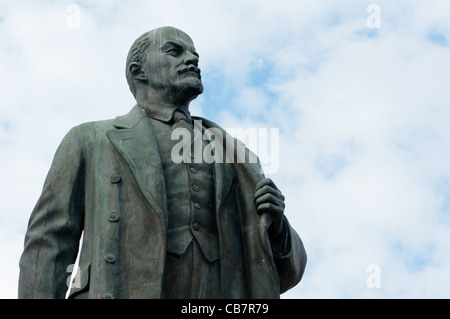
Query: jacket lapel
[
  {"x": 135, "y": 140},
  {"x": 224, "y": 172},
  {"x": 224, "y": 175}
]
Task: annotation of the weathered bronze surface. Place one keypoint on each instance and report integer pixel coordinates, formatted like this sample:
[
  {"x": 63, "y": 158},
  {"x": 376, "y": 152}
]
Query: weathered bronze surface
[{"x": 155, "y": 226}]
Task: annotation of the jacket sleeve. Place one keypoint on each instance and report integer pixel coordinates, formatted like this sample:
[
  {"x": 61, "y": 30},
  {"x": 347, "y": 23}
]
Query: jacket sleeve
[
  {"x": 55, "y": 225},
  {"x": 290, "y": 265}
]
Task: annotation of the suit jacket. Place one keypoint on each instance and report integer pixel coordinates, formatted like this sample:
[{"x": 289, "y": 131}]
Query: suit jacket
[{"x": 106, "y": 186}]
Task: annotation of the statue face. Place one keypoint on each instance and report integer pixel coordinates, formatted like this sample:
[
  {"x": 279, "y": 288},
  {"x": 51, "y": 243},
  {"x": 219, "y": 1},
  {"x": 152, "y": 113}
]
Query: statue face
[{"x": 172, "y": 64}]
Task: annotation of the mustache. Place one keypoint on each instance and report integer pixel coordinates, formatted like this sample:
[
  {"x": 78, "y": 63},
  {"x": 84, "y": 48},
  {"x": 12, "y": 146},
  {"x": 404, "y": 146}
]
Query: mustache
[{"x": 191, "y": 69}]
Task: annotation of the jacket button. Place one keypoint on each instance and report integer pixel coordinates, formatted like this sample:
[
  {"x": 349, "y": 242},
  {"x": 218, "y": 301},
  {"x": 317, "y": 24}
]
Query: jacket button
[
  {"x": 114, "y": 178},
  {"x": 108, "y": 295},
  {"x": 196, "y": 226},
  {"x": 110, "y": 258},
  {"x": 113, "y": 216}
]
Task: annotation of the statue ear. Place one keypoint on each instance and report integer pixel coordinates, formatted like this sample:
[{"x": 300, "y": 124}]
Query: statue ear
[{"x": 137, "y": 72}]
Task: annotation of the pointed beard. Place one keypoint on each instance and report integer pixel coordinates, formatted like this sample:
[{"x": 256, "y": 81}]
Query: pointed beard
[{"x": 188, "y": 89}]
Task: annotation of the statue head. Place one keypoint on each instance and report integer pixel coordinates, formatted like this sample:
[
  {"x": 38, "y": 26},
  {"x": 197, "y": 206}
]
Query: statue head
[{"x": 162, "y": 66}]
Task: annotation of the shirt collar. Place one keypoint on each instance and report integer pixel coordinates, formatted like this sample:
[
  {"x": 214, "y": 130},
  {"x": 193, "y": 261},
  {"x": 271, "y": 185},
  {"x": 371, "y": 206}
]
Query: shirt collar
[{"x": 162, "y": 112}]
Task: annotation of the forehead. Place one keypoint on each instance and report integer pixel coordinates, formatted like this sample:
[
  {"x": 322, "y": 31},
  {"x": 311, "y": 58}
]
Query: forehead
[{"x": 162, "y": 36}]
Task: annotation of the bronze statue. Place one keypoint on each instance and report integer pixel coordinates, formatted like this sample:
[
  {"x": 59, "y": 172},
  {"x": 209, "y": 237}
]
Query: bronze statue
[{"x": 154, "y": 227}]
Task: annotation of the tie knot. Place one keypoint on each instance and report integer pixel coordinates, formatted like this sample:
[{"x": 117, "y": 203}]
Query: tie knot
[
  {"x": 181, "y": 120},
  {"x": 178, "y": 115}
]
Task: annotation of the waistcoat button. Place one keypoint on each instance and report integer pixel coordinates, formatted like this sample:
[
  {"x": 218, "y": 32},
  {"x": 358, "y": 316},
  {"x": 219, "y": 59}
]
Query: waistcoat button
[
  {"x": 193, "y": 170},
  {"x": 113, "y": 216},
  {"x": 108, "y": 295},
  {"x": 110, "y": 258},
  {"x": 114, "y": 178}
]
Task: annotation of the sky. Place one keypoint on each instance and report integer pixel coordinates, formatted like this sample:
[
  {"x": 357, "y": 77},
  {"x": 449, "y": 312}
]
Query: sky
[{"x": 357, "y": 92}]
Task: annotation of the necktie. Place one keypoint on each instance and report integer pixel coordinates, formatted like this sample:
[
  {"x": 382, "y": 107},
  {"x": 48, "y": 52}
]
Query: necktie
[{"x": 185, "y": 130}]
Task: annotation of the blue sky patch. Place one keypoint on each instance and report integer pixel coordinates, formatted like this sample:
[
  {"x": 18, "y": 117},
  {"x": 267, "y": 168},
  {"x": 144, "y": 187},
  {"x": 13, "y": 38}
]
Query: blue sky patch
[
  {"x": 415, "y": 260},
  {"x": 437, "y": 38},
  {"x": 330, "y": 165},
  {"x": 5, "y": 125}
]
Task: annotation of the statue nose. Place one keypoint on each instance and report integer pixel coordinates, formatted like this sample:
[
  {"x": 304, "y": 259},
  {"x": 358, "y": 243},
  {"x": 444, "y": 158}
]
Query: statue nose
[{"x": 191, "y": 58}]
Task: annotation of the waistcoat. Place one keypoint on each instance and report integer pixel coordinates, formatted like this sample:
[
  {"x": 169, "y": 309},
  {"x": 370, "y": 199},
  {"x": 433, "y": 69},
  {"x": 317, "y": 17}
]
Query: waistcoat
[{"x": 190, "y": 199}]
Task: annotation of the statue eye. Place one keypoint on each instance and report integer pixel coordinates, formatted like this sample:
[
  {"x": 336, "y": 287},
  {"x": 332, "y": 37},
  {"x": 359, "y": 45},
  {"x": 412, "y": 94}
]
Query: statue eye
[{"x": 173, "y": 51}]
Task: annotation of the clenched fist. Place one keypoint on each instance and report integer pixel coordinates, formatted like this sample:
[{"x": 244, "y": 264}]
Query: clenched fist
[{"x": 268, "y": 199}]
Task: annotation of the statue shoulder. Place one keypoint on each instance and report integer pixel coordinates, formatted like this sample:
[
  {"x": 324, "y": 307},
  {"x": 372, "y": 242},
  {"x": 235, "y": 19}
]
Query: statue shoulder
[
  {"x": 83, "y": 134},
  {"x": 98, "y": 126}
]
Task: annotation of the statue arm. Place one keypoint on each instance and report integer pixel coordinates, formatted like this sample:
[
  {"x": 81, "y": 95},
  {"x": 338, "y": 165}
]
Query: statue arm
[
  {"x": 55, "y": 225},
  {"x": 287, "y": 248}
]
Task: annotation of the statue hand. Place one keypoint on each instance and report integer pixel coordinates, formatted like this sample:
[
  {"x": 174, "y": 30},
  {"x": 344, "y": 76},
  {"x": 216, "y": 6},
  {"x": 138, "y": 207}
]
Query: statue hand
[{"x": 268, "y": 199}]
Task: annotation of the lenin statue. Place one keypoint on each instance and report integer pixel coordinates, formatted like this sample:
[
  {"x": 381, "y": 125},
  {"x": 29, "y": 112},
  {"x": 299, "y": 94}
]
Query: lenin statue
[{"x": 145, "y": 216}]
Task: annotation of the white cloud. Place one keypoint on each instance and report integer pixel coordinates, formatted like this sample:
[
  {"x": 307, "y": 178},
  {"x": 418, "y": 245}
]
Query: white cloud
[{"x": 363, "y": 118}]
